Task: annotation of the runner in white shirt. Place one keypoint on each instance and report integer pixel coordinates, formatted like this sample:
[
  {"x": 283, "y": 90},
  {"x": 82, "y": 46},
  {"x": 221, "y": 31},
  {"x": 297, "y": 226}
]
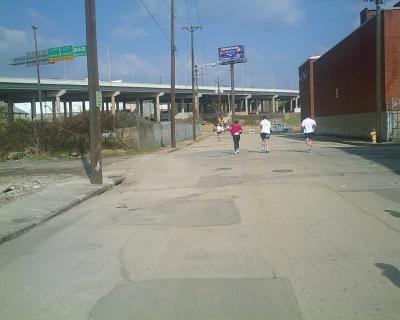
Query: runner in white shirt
[
  {"x": 218, "y": 130},
  {"x": 265, "y": 126},
  {"x": 308, "y": 125}
]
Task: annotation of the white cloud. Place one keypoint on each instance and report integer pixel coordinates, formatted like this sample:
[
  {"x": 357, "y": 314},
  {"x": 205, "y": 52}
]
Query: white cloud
[
  {"x": 34, "y": 14},
  {"x": 269, "y": 11},
  {"x": 129, "y": 65},
  {"x": 128, "y": 32},
  {"x": 12, "y": 40},
  {"x": 38, "y": 18}
]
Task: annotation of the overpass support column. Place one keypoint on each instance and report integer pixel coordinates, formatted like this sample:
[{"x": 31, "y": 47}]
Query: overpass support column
[
  {"x": 157, "y": 112},
  {"x": 70, "y": 108},
  {"x": 124, "y": 105},
  {"x": 138, "y": 106},
  {"x": 199, "y": 107},
  {"x": 10, "y": 110},
  {"x": 274, "y": 108},
  {"x": 257, "y": 106},
  {"x": 59, "y": 94},
  {"x": 33, "y": 109},
  {"x": 297, "y": 101},
  {"x": 183, "y": 107},
  {"x": 65, "y": 109},
  {"x": 83, "y": 106},
  {"x": 113, "y": 103},
  {"x": 141, "y": 107}
]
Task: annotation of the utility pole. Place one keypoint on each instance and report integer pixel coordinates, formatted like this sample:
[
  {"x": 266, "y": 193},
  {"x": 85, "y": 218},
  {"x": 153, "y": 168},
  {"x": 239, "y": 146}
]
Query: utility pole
[
  {"x": 192, "y": 29},
  {"x": 219, "y": 108},
  {"x": 196, "y": 95},
  {"x": 378, "y": 66},
  {"x": 38, "y": 73},
  {"x": 173, "y": 49},
  {"x": 95, "y": 98}
]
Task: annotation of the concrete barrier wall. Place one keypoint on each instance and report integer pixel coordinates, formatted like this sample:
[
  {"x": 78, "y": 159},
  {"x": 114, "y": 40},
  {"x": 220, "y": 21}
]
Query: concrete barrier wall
[
  {"x": 150, "y": 135},
  {"x": 353, "y": 126}
]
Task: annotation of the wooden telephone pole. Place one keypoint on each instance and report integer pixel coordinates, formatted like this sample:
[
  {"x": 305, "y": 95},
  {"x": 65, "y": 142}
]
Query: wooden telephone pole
[
  {"x": 173, "y": 51},
  {"x": 95, "y": 99},
  {"x": 192, "y": 29}
]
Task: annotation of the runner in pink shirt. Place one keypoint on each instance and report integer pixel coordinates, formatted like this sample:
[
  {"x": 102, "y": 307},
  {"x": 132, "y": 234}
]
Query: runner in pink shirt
[{"x": 236, "y": 131}]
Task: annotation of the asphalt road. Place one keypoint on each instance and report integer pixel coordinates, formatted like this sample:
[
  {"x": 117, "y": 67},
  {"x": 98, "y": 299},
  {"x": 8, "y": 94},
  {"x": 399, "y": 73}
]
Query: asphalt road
[{"x": 202, "y": 233}]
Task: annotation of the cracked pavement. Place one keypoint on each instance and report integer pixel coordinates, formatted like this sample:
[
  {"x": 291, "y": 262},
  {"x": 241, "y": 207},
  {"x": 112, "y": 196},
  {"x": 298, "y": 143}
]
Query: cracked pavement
[{"x": 202, "y": 233}]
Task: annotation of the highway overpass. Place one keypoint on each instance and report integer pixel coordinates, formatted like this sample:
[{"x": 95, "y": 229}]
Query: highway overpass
[{"x": 129, "y": 96}]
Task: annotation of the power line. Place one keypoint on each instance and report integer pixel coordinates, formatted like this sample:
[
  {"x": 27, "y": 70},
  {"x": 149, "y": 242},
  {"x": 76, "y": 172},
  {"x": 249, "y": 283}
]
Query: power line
[
  {"x": 161, "y": 29},
  {"x": 155, "y": 21},
  {"x": 190, "y": 21},
  {"x": 181, "y": 25},
  {"x": 187, "y": 10},
  {"x": 202, "y": 35}
]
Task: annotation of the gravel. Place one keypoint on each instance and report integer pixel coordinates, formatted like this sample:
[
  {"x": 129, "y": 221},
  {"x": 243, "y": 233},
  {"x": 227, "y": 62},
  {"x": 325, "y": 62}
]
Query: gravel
[{"x": 14, "y": 187}]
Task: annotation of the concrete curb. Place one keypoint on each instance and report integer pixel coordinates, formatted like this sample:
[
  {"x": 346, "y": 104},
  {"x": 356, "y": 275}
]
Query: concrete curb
[
  {"x": 21, "y": 223},
  {"x": 53, "y": 212}
]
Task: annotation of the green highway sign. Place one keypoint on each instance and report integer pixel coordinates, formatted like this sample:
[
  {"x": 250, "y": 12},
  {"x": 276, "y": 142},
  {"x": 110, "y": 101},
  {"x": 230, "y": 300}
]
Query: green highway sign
[
  {"x": 53, "y": 53},
  {"x": 99, "y": 99},
  {"x": 80, "y": 51},
  {"x": 50, "y": 55},
  {"x": 66, "y": 51}
]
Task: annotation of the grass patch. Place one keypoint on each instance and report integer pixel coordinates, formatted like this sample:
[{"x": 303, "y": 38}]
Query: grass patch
[{"x": 108, "y": 153}]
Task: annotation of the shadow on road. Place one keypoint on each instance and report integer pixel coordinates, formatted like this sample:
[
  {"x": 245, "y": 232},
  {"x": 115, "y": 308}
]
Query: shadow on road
[
  {"x": 393, "y": 213},
  {"x": 390, "y": 272},
  {"x": 387, "y": 155},
  {"x": 87, "y": 167}
]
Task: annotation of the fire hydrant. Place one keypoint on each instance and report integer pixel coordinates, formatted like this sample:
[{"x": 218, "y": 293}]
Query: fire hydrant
[{"x": 373, "y": 135}]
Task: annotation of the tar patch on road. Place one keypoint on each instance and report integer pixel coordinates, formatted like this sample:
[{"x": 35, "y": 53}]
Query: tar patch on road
[
  {"x": 200, "y": 299},
  {"x": 187, "y": 213}
]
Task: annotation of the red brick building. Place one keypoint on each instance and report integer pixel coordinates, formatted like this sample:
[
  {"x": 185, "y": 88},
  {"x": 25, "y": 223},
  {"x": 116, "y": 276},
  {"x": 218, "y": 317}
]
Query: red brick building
[{"x": 338, "y": 89}]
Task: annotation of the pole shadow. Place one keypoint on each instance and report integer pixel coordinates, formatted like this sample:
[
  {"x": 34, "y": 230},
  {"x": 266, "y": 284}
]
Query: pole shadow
[
  {"x": 387, "y": 155},
  {"x": 86, "y": 165},
  {"x": 390, "y": 272},
  {"x": 393, "y": 213}
]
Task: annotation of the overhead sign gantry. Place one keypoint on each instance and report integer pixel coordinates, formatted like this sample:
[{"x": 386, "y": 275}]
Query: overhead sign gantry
[{"x": 50, "y": 55}]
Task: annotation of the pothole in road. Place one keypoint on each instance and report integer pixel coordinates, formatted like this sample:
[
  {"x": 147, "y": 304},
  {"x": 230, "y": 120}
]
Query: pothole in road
[
  {"x": 282, "y": 170},
  {"x": 222, "y": 169}
]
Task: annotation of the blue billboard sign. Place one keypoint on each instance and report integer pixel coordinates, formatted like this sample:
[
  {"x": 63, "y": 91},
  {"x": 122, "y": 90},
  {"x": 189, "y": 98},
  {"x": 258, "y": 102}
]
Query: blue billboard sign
[{"x": 232, "y": 54}]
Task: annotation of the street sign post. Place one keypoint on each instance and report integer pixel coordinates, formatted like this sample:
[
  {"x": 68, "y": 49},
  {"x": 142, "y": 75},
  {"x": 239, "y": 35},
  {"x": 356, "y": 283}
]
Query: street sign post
[
  {"x": 99, "y": 99},
  {"x": 232, "y": 55}
]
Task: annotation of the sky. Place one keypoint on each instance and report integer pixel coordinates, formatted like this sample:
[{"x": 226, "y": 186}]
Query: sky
[{"x": 278, "y": 36}]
